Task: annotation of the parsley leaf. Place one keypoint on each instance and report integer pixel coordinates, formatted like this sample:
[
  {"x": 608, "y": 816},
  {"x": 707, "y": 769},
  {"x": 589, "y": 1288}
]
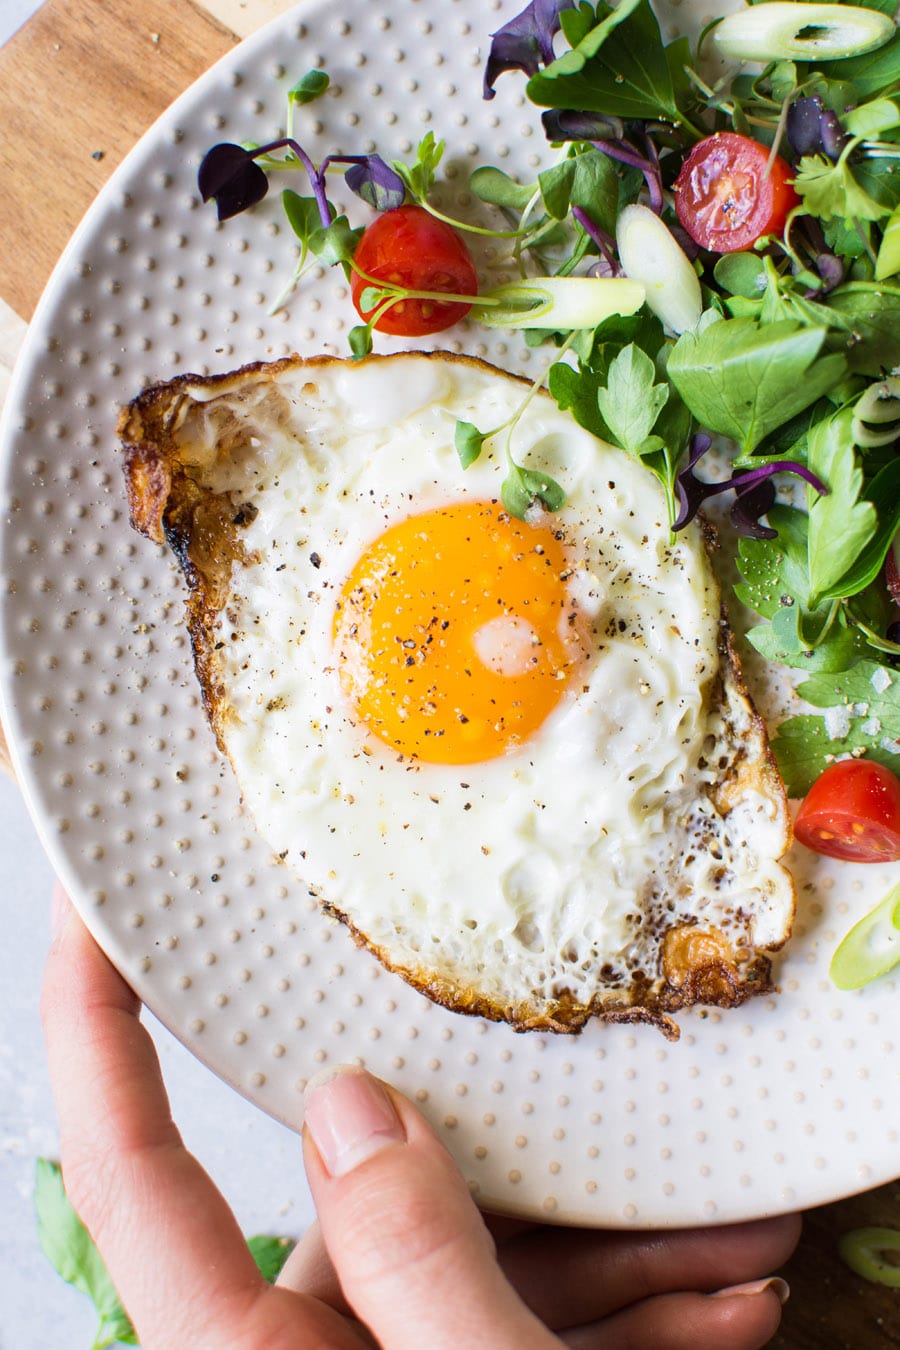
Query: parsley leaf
[
  {"x": 419, "y": 177},
  {"x": 868, "y": 696},
  {"x": 632, "y": 401},
  {"x": 743, "y": 379},
  {"x": 840, "y": 525},
  {"x": 869, "y": 318},
  {"x": 829, "y": 189}
]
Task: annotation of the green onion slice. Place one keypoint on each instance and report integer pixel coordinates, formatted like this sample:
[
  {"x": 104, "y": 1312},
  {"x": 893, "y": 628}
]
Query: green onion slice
[
  {"x": 871, "y": 948},
  {"x": 878, "y": 406},
  {"x": 651, "y": 255},
  {"x": 864, "y": 1251},
  {"x": 780, "y": 30},
  {"x": 562, "y": 304}
]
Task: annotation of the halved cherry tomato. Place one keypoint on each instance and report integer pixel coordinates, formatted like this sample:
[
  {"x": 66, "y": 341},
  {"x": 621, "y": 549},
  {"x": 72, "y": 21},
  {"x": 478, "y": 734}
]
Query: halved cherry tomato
[
  {"x": 852, "y": 811},
  {"x": 724, "y": 197},
  {"x": 410, "y": 248}
]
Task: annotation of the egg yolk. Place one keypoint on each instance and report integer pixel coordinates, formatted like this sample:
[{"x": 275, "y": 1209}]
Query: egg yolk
[{"x": 456, "y": 634}]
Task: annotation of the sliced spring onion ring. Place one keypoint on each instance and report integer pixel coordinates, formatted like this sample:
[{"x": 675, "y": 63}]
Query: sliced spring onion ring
[
  {"x": 864, "y": 1250},
  {"x": 650, "y": 254},
  {"x": 879, "y": 405},
  {"x": 781, "y": 30},
  {"x": 561, "y": 303},
  {"x": 871, "y": 948}
]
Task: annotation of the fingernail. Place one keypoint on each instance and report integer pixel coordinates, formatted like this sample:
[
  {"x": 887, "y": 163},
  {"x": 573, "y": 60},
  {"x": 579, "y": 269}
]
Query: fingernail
[
  {"x": 777, "y": 1285},
  {"x": 60, "y": 909},
  {"x": 350, "y": 1118}
]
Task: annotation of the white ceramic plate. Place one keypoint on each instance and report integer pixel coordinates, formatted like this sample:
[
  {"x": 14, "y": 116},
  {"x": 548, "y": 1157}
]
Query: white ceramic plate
[{"x": 786, "y": 1102}]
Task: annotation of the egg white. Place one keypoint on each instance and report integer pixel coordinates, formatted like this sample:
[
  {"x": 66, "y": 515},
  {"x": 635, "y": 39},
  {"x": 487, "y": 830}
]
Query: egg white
[{"x": 554, "y": 871}]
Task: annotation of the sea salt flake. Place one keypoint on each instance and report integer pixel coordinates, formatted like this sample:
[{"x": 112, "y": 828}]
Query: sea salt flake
[
  {"x": 880, "y": 680},
  {"x": 837, "y": 722}
]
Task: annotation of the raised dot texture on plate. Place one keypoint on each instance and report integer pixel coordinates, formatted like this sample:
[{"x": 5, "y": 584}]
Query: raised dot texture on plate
[{"x": 242, "y": 967}]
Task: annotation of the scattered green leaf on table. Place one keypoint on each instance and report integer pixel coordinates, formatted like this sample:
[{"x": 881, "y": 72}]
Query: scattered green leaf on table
[
  {"x": 73, "y": 1254},
  {"x": 270, "y": 1254}
]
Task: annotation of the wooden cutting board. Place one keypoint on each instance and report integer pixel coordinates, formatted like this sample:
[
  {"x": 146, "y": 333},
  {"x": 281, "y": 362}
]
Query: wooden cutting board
[{"x": 78, "y": 86}]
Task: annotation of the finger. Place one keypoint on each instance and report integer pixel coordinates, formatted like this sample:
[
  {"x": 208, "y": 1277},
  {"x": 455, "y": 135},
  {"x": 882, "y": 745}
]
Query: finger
[
  {"x": 746, "y": 1321},
  {"x": 410, "y": 1248},
  {"x": 568, "y": 1277},
  {"x": 173, "y": 1248},
  {"x": 309, "y": 1270}
]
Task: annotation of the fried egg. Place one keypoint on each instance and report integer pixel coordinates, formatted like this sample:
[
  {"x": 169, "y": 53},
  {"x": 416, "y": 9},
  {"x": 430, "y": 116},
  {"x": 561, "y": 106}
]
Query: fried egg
[{"x": 516, "y": 757}]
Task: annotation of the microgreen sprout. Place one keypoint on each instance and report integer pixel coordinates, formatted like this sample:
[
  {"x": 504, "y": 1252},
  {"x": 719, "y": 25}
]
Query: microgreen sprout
[
  {"x": 753, "y": 489},
  {"x": 522, "y": 486}
]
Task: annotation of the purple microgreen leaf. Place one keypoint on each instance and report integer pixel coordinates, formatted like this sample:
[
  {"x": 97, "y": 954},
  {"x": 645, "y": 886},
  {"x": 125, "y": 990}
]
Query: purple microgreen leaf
[
  {"x": 748, "y": 508},
  {"x": 229, "y": 176},
  {"x": 605, "y": 243},
  {"x": 525, "y": 43},
  {"x": 652, "y": 175},
  {"x": 563, "y": 125},
  {"x": 689, "y": 247},
  {"x": 751, "y": 503},
  {"x": 373, "y": 180}
]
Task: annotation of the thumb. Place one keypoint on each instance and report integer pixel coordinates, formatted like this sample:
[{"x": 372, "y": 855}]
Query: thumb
[{"x": 410, "y": 1248}]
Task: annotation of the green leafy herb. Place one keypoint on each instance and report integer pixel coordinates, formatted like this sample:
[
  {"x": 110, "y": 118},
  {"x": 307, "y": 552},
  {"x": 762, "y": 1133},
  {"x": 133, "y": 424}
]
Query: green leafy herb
[
  {"x": 419, "y": 177},
  {"x": 620, "y": 68},
  {"x": 496, "y": 187},
  {"x": 632, "y": 401},
  {"x": 867, "y": 698},
  {"x": 522, "y": 487},
  {"x": 743, "y": 379},
  {"x": 829, "y": 189},
  {"x": 310, "y": 87},
  {"x": 840, "y": 525},
  {"x": 469, "y": 442}
]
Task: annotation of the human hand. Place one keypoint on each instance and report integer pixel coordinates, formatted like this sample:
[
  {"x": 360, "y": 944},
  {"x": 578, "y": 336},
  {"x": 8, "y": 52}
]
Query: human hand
[{"x": 400, "y": 1256}]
